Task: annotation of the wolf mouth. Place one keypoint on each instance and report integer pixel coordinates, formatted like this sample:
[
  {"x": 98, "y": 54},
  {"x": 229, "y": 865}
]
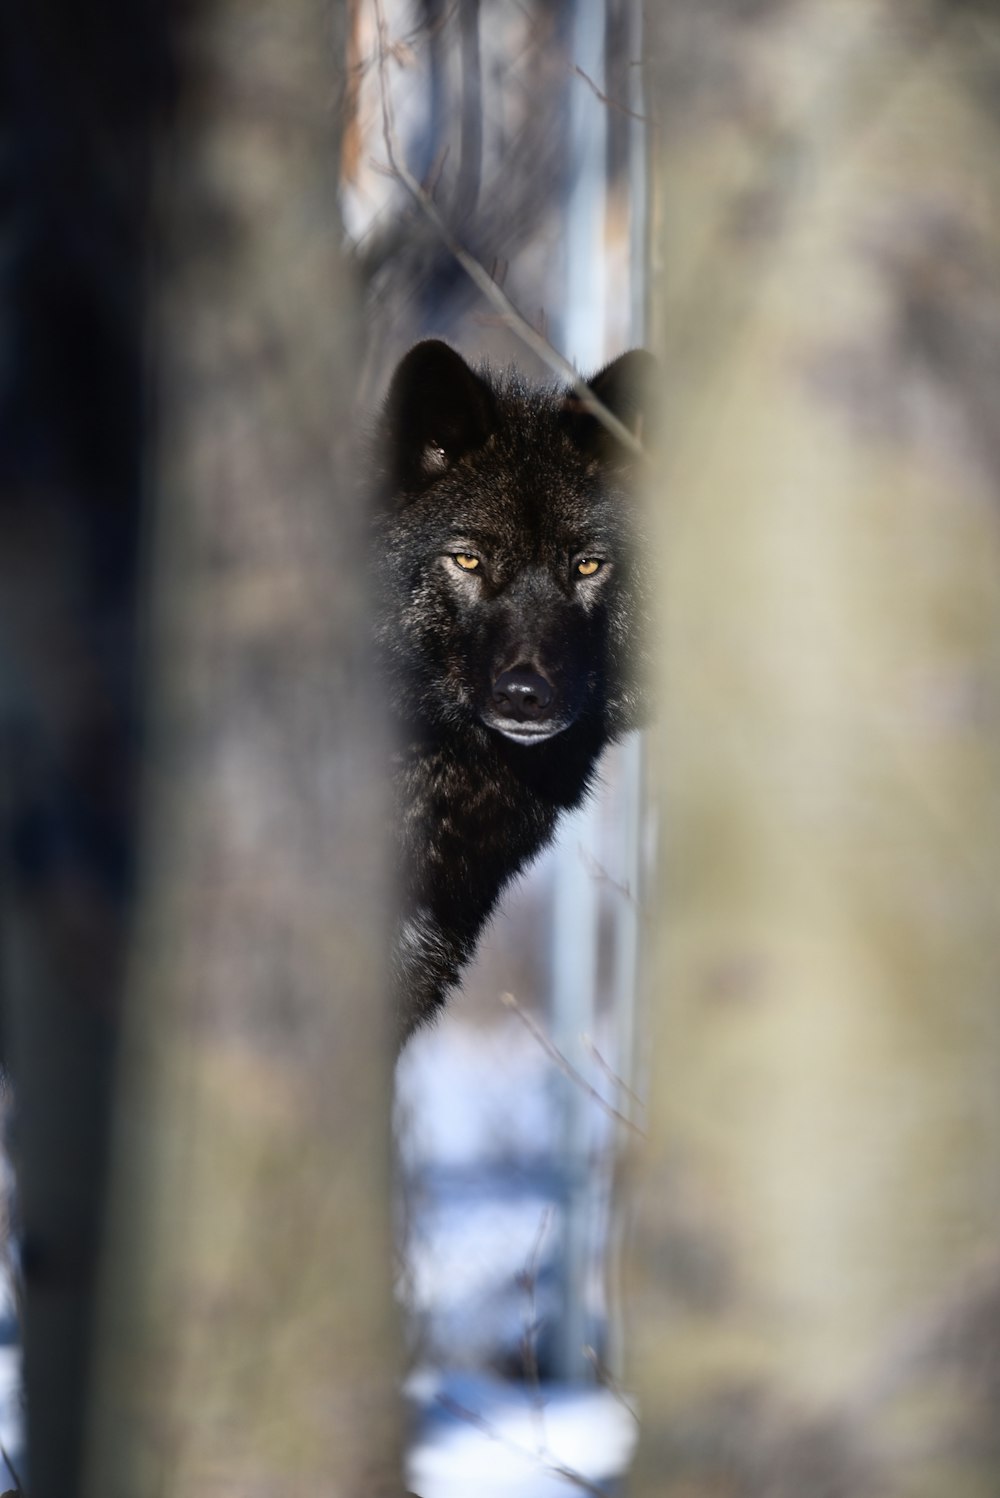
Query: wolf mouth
[{"x": 527, "y": 733}]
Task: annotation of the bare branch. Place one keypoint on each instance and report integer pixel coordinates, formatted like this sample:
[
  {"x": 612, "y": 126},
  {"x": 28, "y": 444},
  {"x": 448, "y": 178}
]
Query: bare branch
[
  {"x": 18, "y": 1486},
  {"x": 529, "y": 1282},
  {"x": 544, "y": 1459},
  {"x": 566, "y": 1066},
  {"x": 597, "y": 871},
  {"x": 643, "y": 119},
  {"x": 477, "y": 273},
  {"x": 608, "y": 1381},
  {"x": 612, "y": 1075}
]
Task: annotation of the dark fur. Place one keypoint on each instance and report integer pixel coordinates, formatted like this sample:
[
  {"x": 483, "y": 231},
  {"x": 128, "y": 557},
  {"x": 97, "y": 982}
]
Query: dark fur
[{"x": 483, "y": 465}]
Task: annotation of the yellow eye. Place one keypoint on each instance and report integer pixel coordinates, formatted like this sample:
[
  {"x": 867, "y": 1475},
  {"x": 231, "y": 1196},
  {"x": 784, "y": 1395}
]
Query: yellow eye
[
  {"x": 467, "y": 563},
  {"x": 588, "y": 567}
]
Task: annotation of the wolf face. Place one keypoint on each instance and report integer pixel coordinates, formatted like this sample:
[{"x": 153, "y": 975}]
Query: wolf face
[
  {"x": 510, "y": 561},
  {"x": 511, "y": 584}
]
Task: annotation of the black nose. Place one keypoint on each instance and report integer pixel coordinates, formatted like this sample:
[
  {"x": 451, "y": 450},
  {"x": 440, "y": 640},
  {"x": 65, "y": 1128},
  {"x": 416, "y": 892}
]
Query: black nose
[{"x": 522, "y": 694}]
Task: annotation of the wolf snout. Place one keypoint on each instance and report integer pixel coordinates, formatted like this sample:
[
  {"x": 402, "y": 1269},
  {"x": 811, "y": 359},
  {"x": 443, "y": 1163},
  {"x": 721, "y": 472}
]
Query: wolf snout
[{"x": 523, "y": 695}]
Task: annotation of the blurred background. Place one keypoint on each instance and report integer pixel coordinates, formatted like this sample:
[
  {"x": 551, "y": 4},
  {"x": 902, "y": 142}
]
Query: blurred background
[{"x": 227, "y": 222}]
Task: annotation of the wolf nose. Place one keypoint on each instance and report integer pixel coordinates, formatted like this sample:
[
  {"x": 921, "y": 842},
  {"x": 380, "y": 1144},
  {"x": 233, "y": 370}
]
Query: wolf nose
[{"x": 522, "y": 694}]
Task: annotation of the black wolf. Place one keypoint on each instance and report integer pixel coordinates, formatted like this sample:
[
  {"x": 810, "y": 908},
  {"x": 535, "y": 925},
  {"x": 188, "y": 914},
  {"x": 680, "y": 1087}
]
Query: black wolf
[{"x": 511, "y": 596}]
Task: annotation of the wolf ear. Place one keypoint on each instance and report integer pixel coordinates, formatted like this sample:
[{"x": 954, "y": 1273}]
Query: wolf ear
[
  {"x": 436, "y": 411},
  {"x": 625, "y": 388}
]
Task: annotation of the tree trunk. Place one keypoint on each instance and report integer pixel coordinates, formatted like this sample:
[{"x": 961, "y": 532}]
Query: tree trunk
[
  {"x": 816, "y": 1279},
  {"x": 79, "y": 106},
  {"x": 247, "y": 1332}
]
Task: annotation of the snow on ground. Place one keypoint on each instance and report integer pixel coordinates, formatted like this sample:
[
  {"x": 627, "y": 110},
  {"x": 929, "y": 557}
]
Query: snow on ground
[
  {"x": 485, "y": 1436},
  {"x": 483, "y": 1189},
  {"x": 469, "y": 1094}
]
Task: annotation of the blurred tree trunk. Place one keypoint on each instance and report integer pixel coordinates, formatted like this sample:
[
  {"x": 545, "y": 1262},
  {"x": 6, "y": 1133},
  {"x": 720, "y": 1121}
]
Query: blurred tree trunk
[
  {"x": 248, "y": 1312},
  {"x": 816, "y": 1276},
  {"x": 247, "y": 1341},
  {"x": 80, "y": 101}
]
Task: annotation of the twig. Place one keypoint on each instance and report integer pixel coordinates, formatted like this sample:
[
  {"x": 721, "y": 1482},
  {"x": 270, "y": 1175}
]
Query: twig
[
  {"x": 608, "y": 1381},
  {"x": 597, "y": 871},
  {"x": 545, "y": 1459},
  {"x": 11, "y": 1469},
  {"x": 566, "y": 1066},
  {"x": 612, "y": 1075},
  {"x": 529, "y": 1281},
  {"x": 643, "y": 119},
  {"x": 421, "y": 32},
  {"x": 479, "y": 275},
  {"x": 437, "y": 169}
]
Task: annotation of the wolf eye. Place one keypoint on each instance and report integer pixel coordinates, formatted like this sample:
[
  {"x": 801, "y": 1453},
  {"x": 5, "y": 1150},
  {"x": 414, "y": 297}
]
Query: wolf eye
[
  {"x": 587, "y": 566},
  {"x": 465, "y": 561}
]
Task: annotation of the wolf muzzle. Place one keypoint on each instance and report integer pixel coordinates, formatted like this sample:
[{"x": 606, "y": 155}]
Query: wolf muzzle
[{"x": 523, "y": 705}]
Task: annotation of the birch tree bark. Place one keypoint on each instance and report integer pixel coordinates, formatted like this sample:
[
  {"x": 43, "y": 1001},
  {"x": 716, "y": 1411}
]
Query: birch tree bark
[{"x": 816, "y": 1282}]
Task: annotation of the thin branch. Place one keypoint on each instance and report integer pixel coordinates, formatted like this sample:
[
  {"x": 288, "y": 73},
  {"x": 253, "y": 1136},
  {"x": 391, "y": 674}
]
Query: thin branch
[
  {"x": 597, "y": 871},
  {"x": 546, "y": 1460},
  {"x": 643, "y": 119},
  {"x": 408, "y": 41},
  {"x": 529, "y": 1281},
  {"x": 612, "y": 1075},
  {"x": 566, "y": 1066},
  {"x": 11, "y": 1469},
  {"x": 437, "y": 170},
  {"x": 478, "y": 274},
  {"x": 608, "y": 1381}
]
